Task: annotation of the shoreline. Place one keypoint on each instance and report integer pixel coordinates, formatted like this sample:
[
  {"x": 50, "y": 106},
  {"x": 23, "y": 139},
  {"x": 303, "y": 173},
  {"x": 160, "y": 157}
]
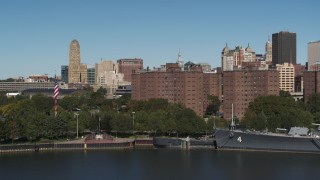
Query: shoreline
[
  {"x": 80, "y": 144},
  {"x": 120, "y": 145}
]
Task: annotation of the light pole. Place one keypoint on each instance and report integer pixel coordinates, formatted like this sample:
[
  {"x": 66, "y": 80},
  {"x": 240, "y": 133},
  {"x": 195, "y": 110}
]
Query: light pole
[
  {"x": 99, "y": 125},
  {"x": 133, "y": 121},
  {"x": 77, "y": 125}
]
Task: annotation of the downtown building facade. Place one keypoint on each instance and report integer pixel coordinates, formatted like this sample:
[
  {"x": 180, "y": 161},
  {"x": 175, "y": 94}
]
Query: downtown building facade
[
  {"x": 286, "y": 77},
  {"x": 91, "y": 75},
  {"x": 128, "y": 66},
  {"x": 284, "y": 48},
  {"x": 311, "y": 78},
  {"x": 190, "y": 88},
  {"x": 64, "y": 73},
  {"x": 240, "y": 87},
  {"x": 108, "y": 76},
  {"x": 314, "y": 56},
  {"x": 311, "y": 83},
  {"x": 234, "y": 58}
]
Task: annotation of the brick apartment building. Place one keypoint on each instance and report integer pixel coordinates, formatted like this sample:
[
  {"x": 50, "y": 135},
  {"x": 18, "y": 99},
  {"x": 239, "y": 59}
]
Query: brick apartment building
[
  {"x": 240, "y": 87},
  {"x": 311, "y": 83},
  {"x": 128, "y": 66},
  {"x": 190, "y": 88}
]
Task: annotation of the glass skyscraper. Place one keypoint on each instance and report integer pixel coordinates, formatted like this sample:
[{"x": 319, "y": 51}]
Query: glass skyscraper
[{"x": 64, "y": 73}]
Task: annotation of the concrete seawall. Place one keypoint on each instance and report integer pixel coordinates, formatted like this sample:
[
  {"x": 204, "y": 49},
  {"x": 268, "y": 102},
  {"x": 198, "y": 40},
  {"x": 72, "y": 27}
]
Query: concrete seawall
[{"x": 76, "y": 146}]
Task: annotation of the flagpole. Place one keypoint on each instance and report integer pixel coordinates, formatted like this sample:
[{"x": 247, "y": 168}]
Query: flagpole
[
  {"x": 55, "y": 94},
  {"x": 55, "y": 107}
]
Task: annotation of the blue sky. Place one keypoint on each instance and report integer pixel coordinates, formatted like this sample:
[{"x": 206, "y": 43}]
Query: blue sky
[{"x": 35, "y": 35}]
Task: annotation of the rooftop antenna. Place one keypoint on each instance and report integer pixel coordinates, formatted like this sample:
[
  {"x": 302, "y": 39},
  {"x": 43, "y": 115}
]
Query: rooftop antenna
[{"x": 179, "y": 56}]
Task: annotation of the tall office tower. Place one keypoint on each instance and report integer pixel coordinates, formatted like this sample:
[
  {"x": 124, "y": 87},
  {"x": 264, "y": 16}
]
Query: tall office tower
[
  {"x": 240, "y": 87},
  {"x": 128, "y": 66},
  {"x": 268, "y": 52},
  {"x": 77, "y": 72},
  {"x": 284, "y": 48},
  {"x": 313, "y": 55}
]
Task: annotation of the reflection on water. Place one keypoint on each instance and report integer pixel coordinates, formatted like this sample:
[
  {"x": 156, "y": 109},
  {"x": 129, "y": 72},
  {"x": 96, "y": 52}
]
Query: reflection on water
[{"x": 158, "y": 164}]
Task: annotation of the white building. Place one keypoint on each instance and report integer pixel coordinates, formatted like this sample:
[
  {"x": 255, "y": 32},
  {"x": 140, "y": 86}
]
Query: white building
[{"x": 313, "y": 55}]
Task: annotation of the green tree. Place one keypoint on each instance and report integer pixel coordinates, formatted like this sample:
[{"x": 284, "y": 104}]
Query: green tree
[
  {"x": 122, "y": 122},
  {"x": 156, "y": 121},
  {"x": 214, "y": 105},
  {"x": 276, "y": 112},
  {"x": 313, "y": 103},
  {"x": 141, "y": 121}
]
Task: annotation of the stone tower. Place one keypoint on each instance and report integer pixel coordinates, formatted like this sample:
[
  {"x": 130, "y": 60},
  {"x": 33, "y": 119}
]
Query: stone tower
[
  {"x": 77, "y": 72},
  {"x": 268, "y": 52}
]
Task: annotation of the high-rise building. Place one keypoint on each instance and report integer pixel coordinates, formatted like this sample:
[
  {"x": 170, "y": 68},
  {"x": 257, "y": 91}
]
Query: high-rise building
[
  {"x": 240, "y": 87},
  {"x": 77, "y": 72},
  {"x": 286, "y": 77},
  {"x": 190, "y": 88},
  {"x": 64, "y": 73},
  {"x": 284, "y": 48},
  {"x": 313, "y": 55},
  {"x": 128, "y": 66}
]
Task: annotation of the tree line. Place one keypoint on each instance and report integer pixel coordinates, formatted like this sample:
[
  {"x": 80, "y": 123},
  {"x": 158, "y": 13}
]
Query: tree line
[
  {"x": 272, "y": 112},
  {"x": 33, "y": 118}
]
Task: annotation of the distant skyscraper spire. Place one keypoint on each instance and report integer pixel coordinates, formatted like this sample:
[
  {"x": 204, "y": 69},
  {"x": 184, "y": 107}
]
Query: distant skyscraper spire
[{"x": 179, "y": 60}]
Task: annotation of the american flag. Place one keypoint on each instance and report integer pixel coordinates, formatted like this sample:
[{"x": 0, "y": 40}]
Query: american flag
[
  {"x": 55, "y": 96},
  {"x": 56, "y": 91}
]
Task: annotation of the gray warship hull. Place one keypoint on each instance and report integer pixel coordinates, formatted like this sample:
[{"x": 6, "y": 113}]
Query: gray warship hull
[
  {"x": 226, "y": 139},
  {"x": 161, "y": 142}
]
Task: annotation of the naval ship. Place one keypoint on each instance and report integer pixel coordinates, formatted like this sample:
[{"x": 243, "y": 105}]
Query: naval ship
[{"x": 297, "y": 140}]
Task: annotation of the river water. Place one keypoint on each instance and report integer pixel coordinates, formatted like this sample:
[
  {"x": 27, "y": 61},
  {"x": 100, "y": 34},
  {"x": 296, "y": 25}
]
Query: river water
[{"x": 158, "y": 164}]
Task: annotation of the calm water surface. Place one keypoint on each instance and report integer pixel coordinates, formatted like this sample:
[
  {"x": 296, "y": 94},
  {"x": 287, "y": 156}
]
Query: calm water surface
[{"x": 159, "y": 164}]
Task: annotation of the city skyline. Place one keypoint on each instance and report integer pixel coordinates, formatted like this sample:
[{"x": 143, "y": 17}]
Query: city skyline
[{"x": 35, "y": 35}]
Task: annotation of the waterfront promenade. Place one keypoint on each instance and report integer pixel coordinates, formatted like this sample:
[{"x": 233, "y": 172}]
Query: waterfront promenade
[{"x": 89, "y": 142}]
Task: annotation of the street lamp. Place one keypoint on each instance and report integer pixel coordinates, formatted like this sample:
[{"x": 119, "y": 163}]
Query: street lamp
[
  {"x": 76, "y": 114},
  {"x": 133, "y": 121}
]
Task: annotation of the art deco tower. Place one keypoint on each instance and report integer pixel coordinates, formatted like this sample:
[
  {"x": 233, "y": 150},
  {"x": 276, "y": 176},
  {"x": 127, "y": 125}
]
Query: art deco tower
[{"x": 77, "y": 72}]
